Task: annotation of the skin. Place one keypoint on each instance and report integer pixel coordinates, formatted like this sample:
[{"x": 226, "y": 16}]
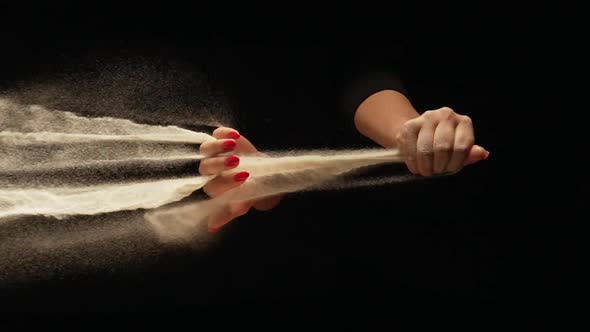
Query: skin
[
  {"x": 214, "y": 164},
  {"x": 437, "y": 141}
]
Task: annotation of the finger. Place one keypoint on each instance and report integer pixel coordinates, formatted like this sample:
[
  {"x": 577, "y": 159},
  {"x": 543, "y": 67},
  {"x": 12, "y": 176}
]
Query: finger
[
  {"x": 231, "y": 212},
  {"x": 444, "y": 138},
  {"x": 211, "y": 166},
  {"x": 410, "y": 139},
  {"x": 464, "y": 140},
  {"x": 476, "y": 154},
  {"x": 425, "y": 152},
  {"x": 212, "y": 148},
  {"x": 243, "y": 145},
  {"x": 225, "y": 132},
  {"x": 225, "y": 182}
]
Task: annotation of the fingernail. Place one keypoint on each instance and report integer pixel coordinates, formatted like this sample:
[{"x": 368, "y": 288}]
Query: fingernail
[
  {"x": 229, "y": 145},
  {"x": 234, "y": 135},
  {"x": 213, "y": 229},
  {"x": 241, "y": 176},
  {"x": 232, "y": 161},
  {"x": 486, "y": 155}
]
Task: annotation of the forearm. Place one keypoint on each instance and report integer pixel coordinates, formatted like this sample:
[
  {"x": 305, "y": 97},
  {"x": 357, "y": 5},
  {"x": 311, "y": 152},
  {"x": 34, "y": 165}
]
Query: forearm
[{"x": 382, "y": 115}]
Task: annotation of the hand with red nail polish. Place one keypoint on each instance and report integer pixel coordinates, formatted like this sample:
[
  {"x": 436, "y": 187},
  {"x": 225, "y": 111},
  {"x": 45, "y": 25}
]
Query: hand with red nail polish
[{"x": 229, "y": 140}]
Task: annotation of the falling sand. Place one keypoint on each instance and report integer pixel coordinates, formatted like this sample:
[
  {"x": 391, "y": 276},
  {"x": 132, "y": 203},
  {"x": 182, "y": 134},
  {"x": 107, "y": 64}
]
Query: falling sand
[
  {"x": 60, "y": 166},
  {"x": 75, "y": 142}
]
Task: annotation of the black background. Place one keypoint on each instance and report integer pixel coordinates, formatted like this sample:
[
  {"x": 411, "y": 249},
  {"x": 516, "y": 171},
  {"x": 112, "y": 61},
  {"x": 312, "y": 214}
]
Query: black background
[{"x": 473, "y": 239}]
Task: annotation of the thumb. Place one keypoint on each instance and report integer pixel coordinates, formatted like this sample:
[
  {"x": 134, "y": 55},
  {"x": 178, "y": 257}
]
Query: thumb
[{"x": 476, "y": 154}]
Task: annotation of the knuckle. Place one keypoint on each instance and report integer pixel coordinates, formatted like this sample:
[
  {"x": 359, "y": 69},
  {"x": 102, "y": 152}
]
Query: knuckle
[
  {"x": 466, "y": 120},
  {"x": 443, "y": 147},
  {"x": 425, "y": 150},
  {"x": 446, "y": 112},
  {"x": 410, "y": 127},
  {"x": 461, "y": 148}
]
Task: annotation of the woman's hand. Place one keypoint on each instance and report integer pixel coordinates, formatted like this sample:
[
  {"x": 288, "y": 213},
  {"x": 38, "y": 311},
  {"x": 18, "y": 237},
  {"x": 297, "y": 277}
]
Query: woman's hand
[
  {"x": 439, "y": 141},
  {"x": 228, "y": 140}
]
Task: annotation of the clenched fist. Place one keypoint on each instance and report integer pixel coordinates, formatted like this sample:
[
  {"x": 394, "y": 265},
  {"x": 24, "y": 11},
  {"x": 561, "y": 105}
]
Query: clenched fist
[{"x": 439, "y": 141}]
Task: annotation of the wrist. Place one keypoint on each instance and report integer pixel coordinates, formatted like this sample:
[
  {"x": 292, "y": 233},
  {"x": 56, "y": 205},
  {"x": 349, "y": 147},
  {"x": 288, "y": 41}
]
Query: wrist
[{"x": 382, "y": 116}]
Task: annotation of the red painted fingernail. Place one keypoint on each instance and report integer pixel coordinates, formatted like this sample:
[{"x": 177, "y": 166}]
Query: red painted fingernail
[
  {"x": 213, "y": 229},
  {"x": 241, "y": 176},
  {"x": 229, "y": 145},
  {"x": 232, "y": 161},
  {"x": 234, "y": 135}
]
